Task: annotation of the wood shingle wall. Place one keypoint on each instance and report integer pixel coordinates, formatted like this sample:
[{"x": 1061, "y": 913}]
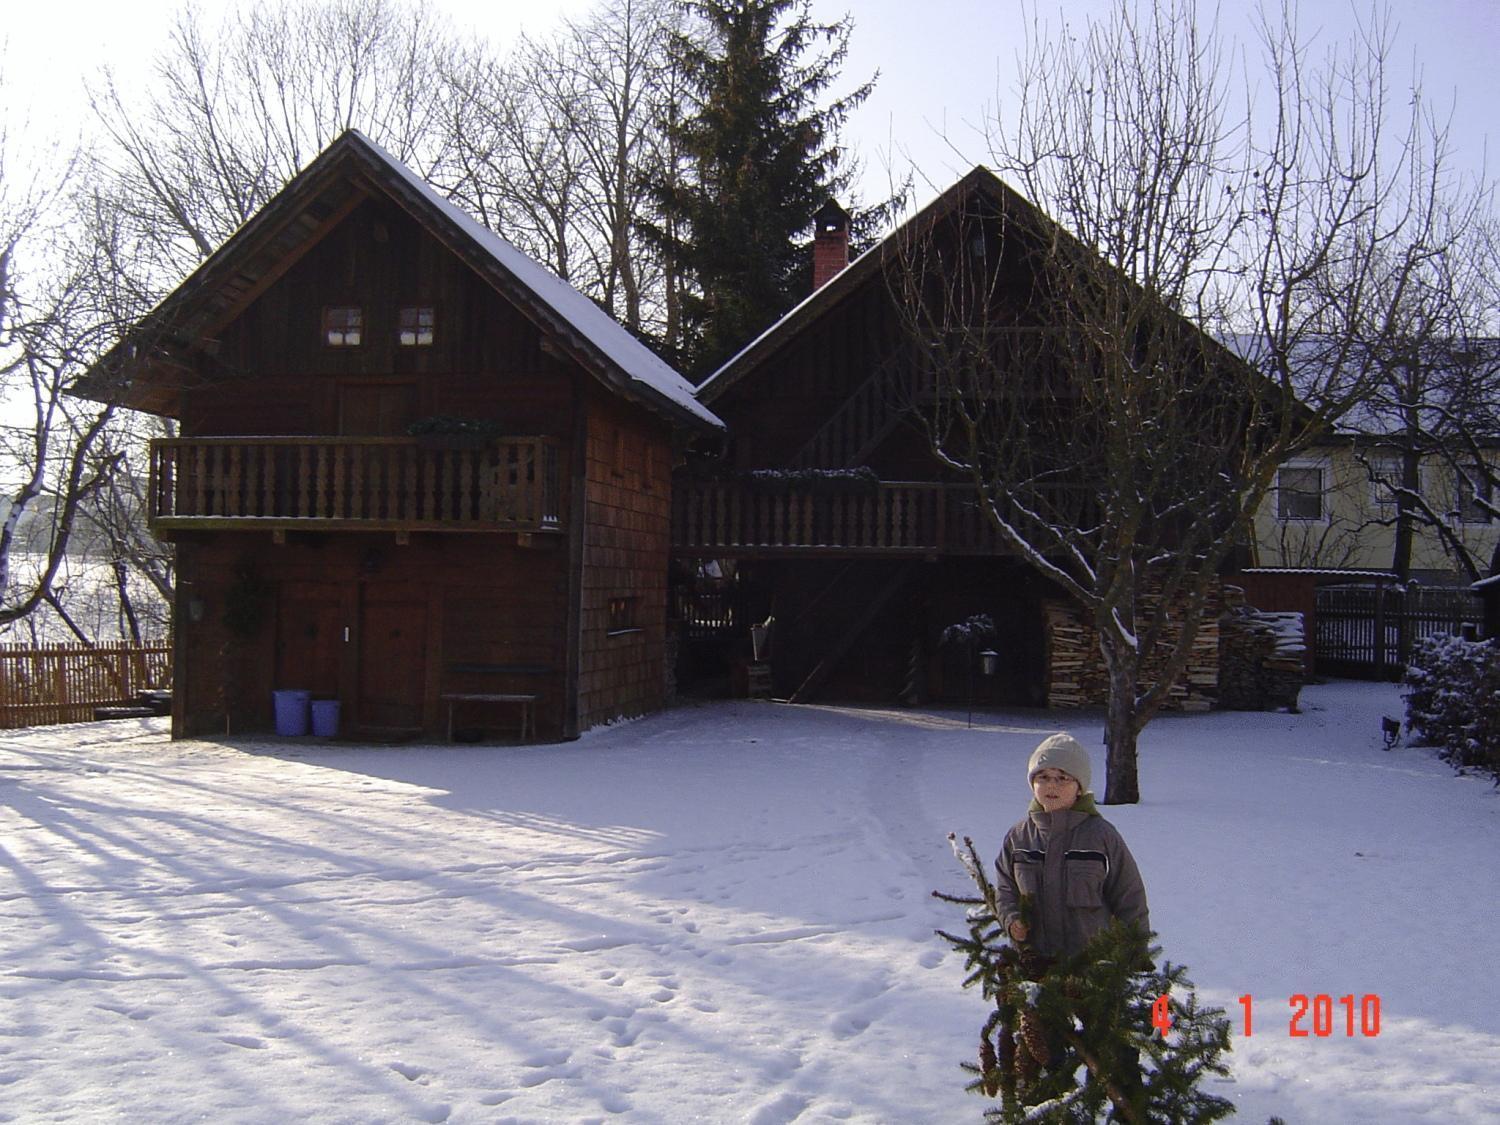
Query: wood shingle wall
[{"x": 627, "y": 540}]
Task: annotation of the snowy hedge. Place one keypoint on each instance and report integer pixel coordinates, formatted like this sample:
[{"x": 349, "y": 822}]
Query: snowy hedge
[{"x": 1453, "y": 700}]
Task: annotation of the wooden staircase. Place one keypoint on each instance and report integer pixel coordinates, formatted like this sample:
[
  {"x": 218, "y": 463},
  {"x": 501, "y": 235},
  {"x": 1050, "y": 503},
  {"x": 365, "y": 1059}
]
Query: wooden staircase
[{"x": 866, "y": 418}]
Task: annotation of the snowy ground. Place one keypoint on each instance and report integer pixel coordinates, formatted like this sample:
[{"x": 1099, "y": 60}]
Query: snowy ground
[{"x": 720, "y": 913}]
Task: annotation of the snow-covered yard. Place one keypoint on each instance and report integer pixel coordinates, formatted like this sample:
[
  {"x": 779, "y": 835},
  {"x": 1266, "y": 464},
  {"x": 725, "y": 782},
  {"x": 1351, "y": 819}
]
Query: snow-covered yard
[{"x": 720, "y": 913}]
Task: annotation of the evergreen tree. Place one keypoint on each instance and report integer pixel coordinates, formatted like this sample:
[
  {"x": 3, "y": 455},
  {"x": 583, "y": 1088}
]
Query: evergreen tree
[
  {"x": 757, "y": 157},
  {"x": 1073, "y": 1038}
]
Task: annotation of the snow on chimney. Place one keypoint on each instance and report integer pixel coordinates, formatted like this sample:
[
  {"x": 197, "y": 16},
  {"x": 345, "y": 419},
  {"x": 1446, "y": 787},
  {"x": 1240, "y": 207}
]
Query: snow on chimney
[{"x": 830, "y": 244}]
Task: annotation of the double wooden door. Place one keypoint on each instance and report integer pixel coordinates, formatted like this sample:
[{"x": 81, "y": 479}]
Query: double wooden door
[{"x": 362, "y": 643}]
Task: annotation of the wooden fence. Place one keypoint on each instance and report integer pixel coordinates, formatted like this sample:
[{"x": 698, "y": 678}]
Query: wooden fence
[
  {"x": 1371, "y": 630},
  {"x": 46, "y": 684}
]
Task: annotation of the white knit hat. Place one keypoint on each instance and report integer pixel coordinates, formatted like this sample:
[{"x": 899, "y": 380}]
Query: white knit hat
[{"x": 1061, "y": 751}]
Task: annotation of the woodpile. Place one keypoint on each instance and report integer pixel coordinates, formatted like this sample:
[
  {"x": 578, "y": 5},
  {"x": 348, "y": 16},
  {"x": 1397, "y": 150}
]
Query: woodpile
[
  {"x": 1261, "y": 657},
  {"x": 1076, "y": 676}
]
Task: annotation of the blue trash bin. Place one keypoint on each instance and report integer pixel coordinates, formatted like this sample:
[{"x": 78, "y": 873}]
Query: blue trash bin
[
  {"x": 291, "y": 712},
  {"x": 325, "y": 718}
]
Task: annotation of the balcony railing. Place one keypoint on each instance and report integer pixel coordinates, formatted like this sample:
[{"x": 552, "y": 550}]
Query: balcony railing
[
  {"x": 894, "y": 518},
  {"x": 354, "y": 483}
]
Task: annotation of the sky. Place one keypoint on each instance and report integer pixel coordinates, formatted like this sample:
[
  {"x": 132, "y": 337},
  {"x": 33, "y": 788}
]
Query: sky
[{"x": 941, "y": 63}]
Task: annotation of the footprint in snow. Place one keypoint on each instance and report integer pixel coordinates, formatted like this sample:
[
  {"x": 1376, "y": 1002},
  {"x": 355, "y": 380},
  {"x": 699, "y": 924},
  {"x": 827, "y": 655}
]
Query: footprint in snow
[
  {"x": 931, "y": 959},
  {"x": 783, "y": 1108},
  {"x": 249, "y": 1042},
  {"x": 547, "y": 1074},
  {"x": 615, "y": 1103},
  {"x": 627, "y": 1037},
  {"x": 846, "y": 1025},
  {"x": 137, "y": 1014},
  {"x": 407, "y": 1071}
]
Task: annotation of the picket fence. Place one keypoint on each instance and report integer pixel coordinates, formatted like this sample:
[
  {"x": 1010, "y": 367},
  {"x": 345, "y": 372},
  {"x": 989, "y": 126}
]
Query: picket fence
[
  {"x": 1372, "y": 630},
  {"x": 62, "y": 683}
]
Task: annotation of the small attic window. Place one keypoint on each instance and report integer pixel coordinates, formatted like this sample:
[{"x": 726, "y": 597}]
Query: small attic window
[
  {"x": 343, "y": 326},
  {"x": 415, "y": 326}
]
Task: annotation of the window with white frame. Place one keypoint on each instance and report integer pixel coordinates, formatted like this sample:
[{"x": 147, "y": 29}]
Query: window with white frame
[
  {"x": 1299, "y": 492},
  {"x": 343, "y": 326},
  {"x": 1471, "y": 490},
  {"x": 415, "y": 326},
  {"x": 1385, "y": 477}
]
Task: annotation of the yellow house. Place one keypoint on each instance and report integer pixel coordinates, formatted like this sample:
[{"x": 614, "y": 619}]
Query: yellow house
[{"x": 1334, "y": 508}]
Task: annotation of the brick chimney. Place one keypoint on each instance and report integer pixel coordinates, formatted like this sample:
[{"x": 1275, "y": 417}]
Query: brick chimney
[{"x": 830, "y": 243}]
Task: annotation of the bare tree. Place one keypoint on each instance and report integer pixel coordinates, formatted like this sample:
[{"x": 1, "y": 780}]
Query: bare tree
[
  {"x": 1082, "y": 387},
  {"x": 626, "y": 82},
  {"x": 552, "y": 145},
  {"x": 1431, "y": 423},
  {"x": 51, "y": 325},
  {"x": 237, "y": 108},
  {"x": 521, "y": 164}
]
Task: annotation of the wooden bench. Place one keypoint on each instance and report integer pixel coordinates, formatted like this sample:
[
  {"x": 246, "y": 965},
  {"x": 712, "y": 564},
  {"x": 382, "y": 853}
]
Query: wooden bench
[{"x": 525, "y": 701}]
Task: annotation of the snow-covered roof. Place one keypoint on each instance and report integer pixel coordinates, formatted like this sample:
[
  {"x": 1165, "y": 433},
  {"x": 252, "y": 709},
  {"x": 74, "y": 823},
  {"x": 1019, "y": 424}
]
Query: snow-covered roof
[
  {"x": 1319, "y": 571},
  {"x": 619, "y": 347},
  {"x": 1449, "y": 381},
  {"x": 1490, "y": 583}
]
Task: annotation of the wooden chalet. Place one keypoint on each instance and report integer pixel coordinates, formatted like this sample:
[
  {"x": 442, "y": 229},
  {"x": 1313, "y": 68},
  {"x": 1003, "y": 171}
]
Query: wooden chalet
[
  {"x": 833, "y": 516},
  {"x": 411, "y": 465}
]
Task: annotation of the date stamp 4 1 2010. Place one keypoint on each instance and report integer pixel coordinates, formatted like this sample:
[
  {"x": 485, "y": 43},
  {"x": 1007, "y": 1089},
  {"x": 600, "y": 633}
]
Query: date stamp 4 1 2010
[{"x": 1317, "y": 1015}]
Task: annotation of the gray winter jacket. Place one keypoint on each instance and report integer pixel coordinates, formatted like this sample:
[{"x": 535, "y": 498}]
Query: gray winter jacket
[{"x": 1079, "y": 873}]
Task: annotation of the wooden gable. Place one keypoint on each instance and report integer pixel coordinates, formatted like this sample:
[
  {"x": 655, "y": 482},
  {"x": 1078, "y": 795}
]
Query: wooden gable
[
  {"x": 353, "y": 195},
  {"x": 824, "y": 386},
  {"x": 271, "y": 369}
]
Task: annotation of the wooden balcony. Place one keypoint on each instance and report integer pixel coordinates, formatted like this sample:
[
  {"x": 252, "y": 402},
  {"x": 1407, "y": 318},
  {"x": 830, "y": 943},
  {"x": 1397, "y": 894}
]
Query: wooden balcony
[
  {"x": 354, "y": 484},
  {"x": 897, "y": 518}
]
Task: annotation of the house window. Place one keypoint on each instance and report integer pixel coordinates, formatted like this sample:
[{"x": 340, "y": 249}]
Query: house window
[
  {"x": 414, "y": 326},
  {"x": 1385, "y": 477},
  {"x": 1471, "y": 480},
  {"x": 1299, "y": 492},
  {"x": 343, "y": 326},
  {"x": 622, "y": 616}
]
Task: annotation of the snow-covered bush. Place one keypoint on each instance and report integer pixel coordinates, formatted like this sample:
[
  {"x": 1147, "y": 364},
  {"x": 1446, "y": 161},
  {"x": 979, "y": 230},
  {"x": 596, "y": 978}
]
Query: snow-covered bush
[{"x": 1453, "y": 700}]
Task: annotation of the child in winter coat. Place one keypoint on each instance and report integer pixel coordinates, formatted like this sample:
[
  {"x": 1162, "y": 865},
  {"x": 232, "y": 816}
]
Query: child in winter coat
[{"x": 1070, "y": 860}]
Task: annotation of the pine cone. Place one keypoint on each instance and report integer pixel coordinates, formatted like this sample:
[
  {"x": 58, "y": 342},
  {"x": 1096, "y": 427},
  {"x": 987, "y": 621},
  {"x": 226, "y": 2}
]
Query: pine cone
[
  {"x": 1034, "y": 1037},
  {"x": 989, "y": 1077},
  {"x": 1027, "y": 1069},
  {"x": 1033, "y": 964}
]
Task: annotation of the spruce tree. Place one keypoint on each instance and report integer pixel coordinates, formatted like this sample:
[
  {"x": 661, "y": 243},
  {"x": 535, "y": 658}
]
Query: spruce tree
[
  {"x": 1068, "y": 1040},
  {"x": 758, "y": 157}
]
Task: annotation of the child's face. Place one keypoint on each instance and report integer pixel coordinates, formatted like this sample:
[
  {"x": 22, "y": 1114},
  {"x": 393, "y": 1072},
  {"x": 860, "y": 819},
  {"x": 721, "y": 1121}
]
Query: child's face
[{"x": 1054, "y": 789}]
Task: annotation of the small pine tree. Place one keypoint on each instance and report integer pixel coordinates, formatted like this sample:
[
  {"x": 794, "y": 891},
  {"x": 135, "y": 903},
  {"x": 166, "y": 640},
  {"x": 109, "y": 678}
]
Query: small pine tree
[{"x": 1073, "y": 1038}]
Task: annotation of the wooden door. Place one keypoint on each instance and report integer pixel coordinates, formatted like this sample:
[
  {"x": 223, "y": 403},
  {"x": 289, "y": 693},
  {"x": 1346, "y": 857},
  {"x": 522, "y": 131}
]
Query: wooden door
[
  {"x": 312, "y": 632},
  {"x": 378, "y": 409},
  {"x": 392, "y": 657}
]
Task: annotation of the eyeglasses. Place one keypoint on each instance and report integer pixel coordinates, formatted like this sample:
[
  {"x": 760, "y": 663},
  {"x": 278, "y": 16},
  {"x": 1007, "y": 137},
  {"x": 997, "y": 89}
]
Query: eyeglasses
[{"x": 1055, "y": 777}]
